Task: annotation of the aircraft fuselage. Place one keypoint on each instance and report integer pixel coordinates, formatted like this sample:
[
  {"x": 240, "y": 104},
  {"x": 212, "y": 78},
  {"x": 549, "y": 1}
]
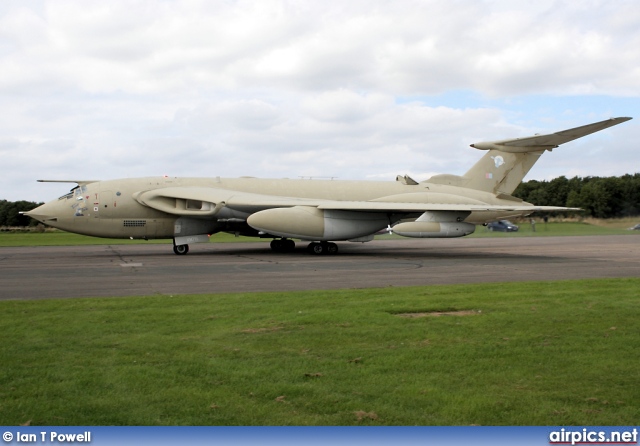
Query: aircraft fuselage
[
  {"x": 189, "y": 210},
  {"x": 109, "y": 209}
]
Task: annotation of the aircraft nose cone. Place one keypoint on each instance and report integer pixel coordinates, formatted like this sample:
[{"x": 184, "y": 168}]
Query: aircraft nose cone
[{"x": 44, "y": 213}]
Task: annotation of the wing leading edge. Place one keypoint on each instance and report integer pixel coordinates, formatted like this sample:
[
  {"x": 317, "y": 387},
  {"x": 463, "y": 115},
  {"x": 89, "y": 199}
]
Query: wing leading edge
[{"x": 203, "y": 201}]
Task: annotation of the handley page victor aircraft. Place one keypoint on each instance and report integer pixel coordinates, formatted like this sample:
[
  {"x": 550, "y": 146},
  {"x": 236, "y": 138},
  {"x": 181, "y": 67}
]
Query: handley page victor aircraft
[{"x": 189, "y": 210}]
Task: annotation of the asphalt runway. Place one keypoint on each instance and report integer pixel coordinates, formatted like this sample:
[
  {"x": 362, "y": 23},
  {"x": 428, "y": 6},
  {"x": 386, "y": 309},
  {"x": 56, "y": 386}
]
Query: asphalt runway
[{"x": 138, "y": 270}]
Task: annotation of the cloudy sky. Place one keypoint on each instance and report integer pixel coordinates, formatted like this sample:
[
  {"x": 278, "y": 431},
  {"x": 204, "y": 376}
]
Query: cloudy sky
[{"x": 274, "y": 88}]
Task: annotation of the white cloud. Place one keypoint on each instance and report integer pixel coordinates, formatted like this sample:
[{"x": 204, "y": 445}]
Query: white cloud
[{"x": 288, "y": 88}]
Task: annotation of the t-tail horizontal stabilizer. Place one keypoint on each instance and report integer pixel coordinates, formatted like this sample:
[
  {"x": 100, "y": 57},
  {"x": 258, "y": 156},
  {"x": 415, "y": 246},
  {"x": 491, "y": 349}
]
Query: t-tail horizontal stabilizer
[
  {"x": 547, "y": 142},
  {"x": 508, "y": 161}
]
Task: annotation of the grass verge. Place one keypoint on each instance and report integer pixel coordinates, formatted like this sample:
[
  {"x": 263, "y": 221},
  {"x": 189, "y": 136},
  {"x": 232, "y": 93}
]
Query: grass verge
[
  {"x": 60, "y": 238},
  {"x": 550, "y": 353},
  {"x": 555, "y": 229}
]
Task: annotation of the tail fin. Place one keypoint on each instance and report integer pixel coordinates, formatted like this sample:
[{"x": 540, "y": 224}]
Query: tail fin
[
  {"x": 500, "y": 172},
  {"x": 502, "y": 169}
]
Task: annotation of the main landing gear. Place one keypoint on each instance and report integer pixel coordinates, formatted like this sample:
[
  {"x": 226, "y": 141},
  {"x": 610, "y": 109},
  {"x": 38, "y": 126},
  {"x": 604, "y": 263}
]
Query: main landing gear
[
  {"x": 283, "y": 245},
  {"x": 318, "y": 248},
  {"x": 322, "y": 248}
]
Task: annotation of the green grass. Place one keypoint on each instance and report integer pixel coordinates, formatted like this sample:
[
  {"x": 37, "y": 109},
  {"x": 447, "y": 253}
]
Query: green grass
[
  {"x": 551, "y": 353},
  {"x": 554, "y": 229},
  {"x": 60, "y": 238}
]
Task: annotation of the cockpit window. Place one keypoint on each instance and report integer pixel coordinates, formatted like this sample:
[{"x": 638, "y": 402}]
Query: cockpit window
[{"x": 78, "y": 192}]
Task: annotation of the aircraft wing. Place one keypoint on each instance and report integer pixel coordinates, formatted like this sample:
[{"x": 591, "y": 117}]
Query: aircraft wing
[
  {"x": 207, "y": 202},
  {"x": 369, "y": 206}
]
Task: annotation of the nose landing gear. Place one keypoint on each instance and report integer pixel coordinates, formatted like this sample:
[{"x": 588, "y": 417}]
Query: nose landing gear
[{"x": 180, "y": 249}]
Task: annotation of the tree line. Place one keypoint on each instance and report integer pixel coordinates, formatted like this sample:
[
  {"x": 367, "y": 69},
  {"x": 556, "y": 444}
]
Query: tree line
[
  {"x": 600, "y": 197},
  {"x": 10, "y": 213}
]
